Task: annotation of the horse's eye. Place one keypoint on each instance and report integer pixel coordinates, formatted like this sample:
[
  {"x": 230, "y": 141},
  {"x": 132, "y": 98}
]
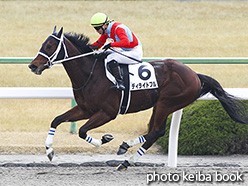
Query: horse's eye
[{"x": 49, "y": 46}]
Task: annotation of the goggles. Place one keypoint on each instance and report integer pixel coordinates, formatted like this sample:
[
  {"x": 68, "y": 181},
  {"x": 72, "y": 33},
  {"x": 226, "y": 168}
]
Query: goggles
[{"x": 98, "y": 27}]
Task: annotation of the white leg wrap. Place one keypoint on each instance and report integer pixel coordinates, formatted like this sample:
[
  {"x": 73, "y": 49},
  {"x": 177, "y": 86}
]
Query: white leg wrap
[
  {"x": 136, "y": 141},
  {"x": 49, "y": 140},
  {"x": 93, "y": 141},
  {"x": 137, "y": 155}
]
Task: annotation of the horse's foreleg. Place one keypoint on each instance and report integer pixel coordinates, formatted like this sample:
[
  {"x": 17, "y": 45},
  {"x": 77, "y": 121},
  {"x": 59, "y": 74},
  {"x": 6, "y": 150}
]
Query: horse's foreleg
[
  {"x": 97, "y": 120},
  {"x": 105, "y": 139},
  {"x": 73, "y": 114}
]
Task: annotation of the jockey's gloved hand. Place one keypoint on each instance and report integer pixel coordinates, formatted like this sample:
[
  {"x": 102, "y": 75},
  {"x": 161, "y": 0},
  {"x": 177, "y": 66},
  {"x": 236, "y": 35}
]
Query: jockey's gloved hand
[{"x": 106, "y": 47}]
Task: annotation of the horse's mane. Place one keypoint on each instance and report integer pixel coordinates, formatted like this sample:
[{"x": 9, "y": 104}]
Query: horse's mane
[{"x": 81, "y": 41}]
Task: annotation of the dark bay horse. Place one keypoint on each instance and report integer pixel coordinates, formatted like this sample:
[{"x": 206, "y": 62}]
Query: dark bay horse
[{"x": 179, "y": 86}]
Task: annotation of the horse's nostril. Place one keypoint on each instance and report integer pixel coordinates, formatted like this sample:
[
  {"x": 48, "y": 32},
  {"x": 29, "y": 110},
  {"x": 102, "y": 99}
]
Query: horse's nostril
[{"x": 32, "y": 67}]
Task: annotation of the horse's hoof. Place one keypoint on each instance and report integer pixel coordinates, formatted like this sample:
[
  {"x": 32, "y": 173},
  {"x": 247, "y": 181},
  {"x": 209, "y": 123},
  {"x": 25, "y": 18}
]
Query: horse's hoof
[
  {"x": 123, "y": 166},
  {"x": 50, "y": 153},
  {"x": 123, "y": 148},
  {"x": 107, "y": 138}
]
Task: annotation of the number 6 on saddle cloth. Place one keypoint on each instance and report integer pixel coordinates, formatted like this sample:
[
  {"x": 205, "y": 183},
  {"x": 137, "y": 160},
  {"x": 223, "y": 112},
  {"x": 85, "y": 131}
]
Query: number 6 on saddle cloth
[{"x": 140, "y": 76}]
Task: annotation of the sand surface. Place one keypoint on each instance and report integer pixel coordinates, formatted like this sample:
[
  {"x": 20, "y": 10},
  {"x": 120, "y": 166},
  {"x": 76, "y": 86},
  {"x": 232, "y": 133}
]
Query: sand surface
[{"x": 100, "y": 169}]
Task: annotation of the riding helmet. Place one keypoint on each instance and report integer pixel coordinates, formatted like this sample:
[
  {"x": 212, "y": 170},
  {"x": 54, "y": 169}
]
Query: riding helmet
[{"x": 99, "y": 19}]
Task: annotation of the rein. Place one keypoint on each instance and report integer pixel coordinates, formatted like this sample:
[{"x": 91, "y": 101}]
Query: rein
[
  {"x": 87, "y": 81},
  {"x": 75, "y": 57}
]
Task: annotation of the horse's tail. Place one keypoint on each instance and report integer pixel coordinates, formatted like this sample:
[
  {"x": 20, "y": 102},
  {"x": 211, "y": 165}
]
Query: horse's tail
[{"x": 233, "y": 106}]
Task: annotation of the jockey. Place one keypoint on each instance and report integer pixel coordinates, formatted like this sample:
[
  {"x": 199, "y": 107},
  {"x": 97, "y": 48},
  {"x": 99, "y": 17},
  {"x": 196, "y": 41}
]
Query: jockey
[{"x": 123, "y": 38}]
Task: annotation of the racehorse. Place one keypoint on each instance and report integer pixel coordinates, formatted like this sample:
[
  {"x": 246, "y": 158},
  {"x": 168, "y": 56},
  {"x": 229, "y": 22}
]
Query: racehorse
[{"x": 178, "y": 86}]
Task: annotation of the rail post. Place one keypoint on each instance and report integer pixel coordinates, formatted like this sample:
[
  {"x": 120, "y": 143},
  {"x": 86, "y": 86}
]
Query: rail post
[
  {"x": 73, "y": 128},
  {"x": 173, "y": 138}
]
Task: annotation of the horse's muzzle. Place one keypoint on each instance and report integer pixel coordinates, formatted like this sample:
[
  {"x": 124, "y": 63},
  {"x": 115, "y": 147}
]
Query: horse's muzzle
[
  {"x": 37, "y": 70},
  {"x": 32, "y": 67}
]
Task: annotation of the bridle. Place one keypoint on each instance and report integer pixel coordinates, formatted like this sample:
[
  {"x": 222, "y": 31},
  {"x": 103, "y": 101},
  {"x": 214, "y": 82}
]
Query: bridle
[{"x": 60, "y": 55}]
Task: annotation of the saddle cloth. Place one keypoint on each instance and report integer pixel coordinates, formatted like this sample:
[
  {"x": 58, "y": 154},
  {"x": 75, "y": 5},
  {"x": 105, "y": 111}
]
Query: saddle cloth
[{"x": 136, "y": 77}]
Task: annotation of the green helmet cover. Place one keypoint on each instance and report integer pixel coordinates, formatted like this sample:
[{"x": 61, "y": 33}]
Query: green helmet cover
[{"x": 99, "y": 19}]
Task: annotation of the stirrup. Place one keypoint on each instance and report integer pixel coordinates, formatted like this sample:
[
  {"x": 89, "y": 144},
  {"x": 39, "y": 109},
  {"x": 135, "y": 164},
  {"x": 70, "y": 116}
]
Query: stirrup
[{"x": 118, "y": 86}]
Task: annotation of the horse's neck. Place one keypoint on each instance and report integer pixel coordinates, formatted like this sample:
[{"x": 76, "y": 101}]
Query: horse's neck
[{"x": 79, "y": 71}]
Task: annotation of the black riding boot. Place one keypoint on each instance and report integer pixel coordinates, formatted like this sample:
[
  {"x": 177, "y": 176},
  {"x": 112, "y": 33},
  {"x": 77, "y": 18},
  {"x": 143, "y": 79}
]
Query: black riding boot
[{"x": 115, "y": 70}]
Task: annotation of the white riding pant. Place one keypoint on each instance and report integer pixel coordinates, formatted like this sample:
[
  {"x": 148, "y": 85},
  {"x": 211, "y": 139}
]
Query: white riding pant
[{"x": 136, "y": 53}]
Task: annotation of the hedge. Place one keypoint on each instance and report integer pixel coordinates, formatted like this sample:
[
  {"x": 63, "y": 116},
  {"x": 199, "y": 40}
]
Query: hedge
[{"x": 206, "y": 129}]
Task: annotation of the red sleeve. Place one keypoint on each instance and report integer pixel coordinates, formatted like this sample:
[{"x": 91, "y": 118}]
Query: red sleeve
[
  {"x": 100, "y": 42},
  {"x": 124, "y": 41}
]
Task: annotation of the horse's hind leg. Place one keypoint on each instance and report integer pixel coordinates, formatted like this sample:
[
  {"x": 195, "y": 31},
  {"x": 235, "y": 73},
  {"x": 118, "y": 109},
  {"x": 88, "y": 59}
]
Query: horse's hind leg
[
  {"x": 156, "y": 130},
  {"x": 130, "y": 143},
  {"x": 141, "y": 139}
]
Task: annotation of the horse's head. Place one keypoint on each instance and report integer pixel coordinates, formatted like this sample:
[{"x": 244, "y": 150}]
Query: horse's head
[{"x": 52, "y": 49}]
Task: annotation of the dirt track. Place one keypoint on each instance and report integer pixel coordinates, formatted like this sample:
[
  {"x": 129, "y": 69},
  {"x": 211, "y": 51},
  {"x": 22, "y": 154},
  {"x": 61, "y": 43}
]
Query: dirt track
[
  {"x": 73, "y": 170},
  {"x": 106, "y": 176}
]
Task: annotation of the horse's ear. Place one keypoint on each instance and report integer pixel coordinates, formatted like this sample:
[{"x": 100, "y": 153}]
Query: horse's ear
[
  {"x": 54, "y": 30},
  {"x": 60, "y": 32}
]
